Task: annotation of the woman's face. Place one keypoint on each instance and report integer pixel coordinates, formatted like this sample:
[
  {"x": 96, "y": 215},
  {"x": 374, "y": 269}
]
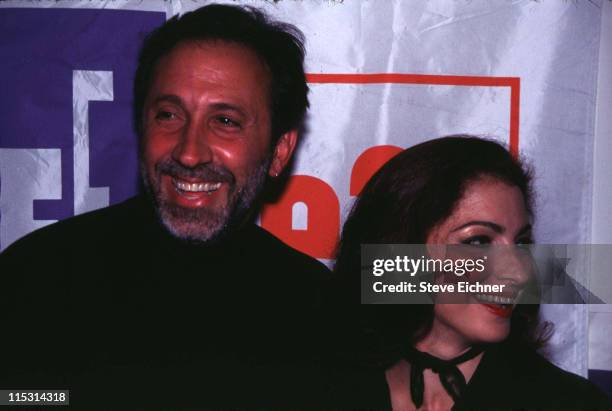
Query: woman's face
[{"x": 490, "y": 212}]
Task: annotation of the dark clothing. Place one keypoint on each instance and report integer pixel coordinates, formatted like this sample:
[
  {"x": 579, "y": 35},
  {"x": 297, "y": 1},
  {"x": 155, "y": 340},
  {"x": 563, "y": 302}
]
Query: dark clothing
[
  {"x": 507, "y": 378},
  {"x": 112, "y": 307}
]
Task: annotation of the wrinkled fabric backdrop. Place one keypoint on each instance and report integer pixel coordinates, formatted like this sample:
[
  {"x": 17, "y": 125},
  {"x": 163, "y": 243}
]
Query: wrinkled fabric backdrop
[{"x": 384, "y": 75}]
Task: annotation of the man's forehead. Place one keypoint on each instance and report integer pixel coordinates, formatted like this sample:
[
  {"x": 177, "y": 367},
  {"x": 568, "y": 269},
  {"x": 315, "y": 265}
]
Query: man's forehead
[
  {"x": 213, "y": 58},
  {"x": 220, "y": 47}
]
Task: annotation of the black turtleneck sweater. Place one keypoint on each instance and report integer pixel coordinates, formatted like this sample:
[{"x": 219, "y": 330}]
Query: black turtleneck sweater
[{"x": 110, "y": 306}]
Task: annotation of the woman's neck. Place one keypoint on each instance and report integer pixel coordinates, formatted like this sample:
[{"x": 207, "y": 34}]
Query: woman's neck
[
  {"x": 443, "y": 342},
  {"x": 440, "y": 342}
]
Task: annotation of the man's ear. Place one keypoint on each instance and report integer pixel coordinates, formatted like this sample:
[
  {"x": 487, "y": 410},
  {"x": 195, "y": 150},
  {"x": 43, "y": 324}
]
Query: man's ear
[{"x": 283, "y": 152}]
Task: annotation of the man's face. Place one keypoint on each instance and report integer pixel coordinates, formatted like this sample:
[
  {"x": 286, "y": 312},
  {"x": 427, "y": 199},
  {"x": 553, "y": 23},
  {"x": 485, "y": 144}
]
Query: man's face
[{"x": 206, "y": 144}]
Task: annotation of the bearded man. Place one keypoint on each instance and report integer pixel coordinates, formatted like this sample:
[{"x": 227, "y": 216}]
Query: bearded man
[{"x": 176, "y": 297}]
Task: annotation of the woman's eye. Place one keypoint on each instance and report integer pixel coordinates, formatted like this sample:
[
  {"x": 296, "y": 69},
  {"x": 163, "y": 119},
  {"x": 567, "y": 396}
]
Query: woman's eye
[
  {"x": 477, "y": 240},
  {"x": 524, "y": 241}
]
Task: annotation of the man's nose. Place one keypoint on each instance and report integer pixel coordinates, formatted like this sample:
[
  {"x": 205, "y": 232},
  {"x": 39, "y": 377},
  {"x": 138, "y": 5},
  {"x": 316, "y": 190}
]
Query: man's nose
[{"x": 193, "y": 147}]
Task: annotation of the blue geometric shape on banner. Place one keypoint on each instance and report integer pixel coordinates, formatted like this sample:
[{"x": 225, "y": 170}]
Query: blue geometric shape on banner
[{"x": 39, "y": 49}]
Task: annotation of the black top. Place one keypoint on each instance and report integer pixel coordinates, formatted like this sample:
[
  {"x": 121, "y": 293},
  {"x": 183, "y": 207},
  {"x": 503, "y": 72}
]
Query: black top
[
  {"x": 112, "y": 307},
  {"x": 508, "y": 377}
]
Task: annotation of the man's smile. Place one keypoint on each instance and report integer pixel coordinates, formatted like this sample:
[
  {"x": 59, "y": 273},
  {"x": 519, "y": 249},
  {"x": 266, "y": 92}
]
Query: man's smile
[
  {"x": 193, "y": 192},
  {"x": 195, "y": 187}
]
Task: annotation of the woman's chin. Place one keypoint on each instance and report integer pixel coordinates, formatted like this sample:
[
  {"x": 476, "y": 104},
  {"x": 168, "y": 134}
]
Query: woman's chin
[{"x": 494, "y": 322}]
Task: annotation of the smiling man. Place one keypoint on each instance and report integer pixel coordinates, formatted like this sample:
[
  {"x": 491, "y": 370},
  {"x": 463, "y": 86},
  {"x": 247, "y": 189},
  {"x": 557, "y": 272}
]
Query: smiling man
[
  {"x": 218, "y": 105},
  {"x": 208, "y": 145},
  {"x": 176, "y": 297}
]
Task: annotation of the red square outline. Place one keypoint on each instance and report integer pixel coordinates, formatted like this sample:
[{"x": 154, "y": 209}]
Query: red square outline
[{"x": 513, "y": 82}]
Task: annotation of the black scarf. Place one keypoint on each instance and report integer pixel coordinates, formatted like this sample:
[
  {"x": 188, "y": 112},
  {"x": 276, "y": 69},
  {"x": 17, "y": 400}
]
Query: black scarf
[{"x": 451, "y": 378}]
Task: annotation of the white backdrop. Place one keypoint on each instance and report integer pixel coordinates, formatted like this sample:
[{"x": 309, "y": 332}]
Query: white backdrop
[
  {"x": 524, "y": 72},
  {"x": 600, "y": 318}
]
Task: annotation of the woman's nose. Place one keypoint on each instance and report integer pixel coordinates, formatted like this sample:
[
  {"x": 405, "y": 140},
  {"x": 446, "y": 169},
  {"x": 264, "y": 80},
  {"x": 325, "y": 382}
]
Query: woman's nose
[{"x": 513, "y": 264}]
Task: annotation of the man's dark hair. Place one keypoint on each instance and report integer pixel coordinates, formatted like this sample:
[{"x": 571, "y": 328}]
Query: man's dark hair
[
  {"x": 279, "y": 46},
  {"x": 411, "y": 194}
]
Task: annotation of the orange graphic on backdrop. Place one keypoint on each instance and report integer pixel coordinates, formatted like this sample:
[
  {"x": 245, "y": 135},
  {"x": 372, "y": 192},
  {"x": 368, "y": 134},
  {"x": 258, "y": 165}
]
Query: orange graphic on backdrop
[{"x": 319, "y": 237}]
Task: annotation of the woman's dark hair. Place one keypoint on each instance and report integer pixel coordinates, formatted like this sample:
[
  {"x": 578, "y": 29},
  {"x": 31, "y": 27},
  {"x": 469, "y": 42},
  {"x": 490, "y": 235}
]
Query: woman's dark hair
[
  {"x": 411, "y": 194},
  {"x": 279, "y": 46}
]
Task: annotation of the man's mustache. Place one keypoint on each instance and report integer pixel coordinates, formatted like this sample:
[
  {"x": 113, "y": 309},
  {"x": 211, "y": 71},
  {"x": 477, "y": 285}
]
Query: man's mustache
[{"x": 207, "y": 172}]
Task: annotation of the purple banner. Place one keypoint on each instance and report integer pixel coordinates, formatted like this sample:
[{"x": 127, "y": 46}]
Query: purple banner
[{"x": 41, "y": 50}]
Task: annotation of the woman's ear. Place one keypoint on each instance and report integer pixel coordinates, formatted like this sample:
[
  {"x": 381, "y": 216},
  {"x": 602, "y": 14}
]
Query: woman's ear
[{"x": 283, "y": 152}]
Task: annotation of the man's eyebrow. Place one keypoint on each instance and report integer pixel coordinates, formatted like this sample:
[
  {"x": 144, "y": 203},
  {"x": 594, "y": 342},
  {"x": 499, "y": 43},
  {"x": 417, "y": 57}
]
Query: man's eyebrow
[
  {"x": 169, "y": 98},
  {"x": 174, "y": 99},
  {"x": 228, "y": 107},
  {"x": 495, "y": 227}
]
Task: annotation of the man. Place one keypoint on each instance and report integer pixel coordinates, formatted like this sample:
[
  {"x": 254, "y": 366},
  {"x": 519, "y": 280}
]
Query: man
[{"x": 176, "y": 296}]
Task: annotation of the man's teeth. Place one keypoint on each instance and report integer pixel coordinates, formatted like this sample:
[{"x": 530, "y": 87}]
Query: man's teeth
[
  {"x": 197, "y": 187},
  {"x": 494, "y": 299}
]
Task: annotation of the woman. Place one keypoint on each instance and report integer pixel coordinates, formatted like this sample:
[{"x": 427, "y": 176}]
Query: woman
[{"x": 477, "y": 355}]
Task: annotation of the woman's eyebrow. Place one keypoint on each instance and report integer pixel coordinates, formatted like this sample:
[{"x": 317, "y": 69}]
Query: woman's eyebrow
[
  {"x": 495, "y": 227},
  {"x": 525, "y": 229}
]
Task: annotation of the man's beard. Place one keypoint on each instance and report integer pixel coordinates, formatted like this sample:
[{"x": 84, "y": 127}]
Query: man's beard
[{"x": 204, "y": 224}]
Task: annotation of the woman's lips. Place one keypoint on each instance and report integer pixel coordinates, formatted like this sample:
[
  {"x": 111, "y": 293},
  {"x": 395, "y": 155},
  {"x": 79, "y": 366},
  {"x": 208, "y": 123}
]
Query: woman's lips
[
  {"x": 503, "y": 311},
  {"x": 501, "y": 304}
]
